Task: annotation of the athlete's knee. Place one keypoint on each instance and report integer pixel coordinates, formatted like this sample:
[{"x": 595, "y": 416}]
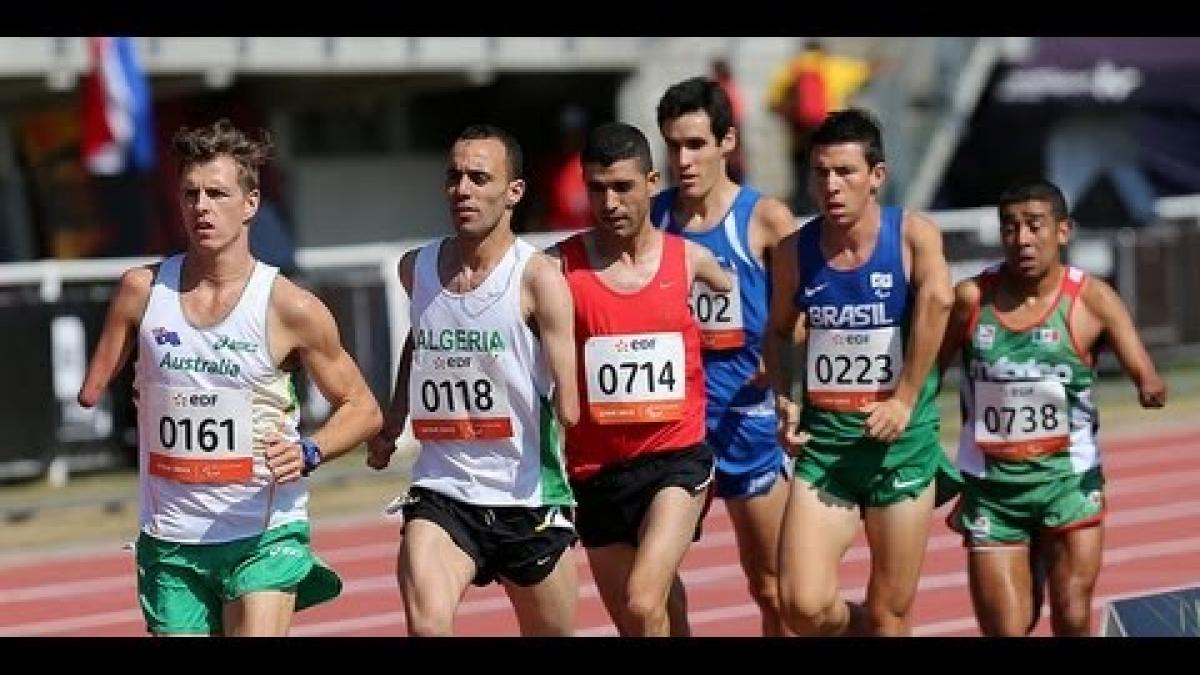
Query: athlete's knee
[
  {"x": 811, "y": 611},
  {"x": 887, "y": 623},
  {"x": 646, "y": 609},
  {"x": 764, "y": 588},
  {"x": 428, "y": 618},
  {"x": 889, "y": 616},
  {"x": 1010, "y": 625},
  {"x": 546, "y": 621},
  {"x": 422, "y": 623},
  {"x": 1071, "y": 609}
]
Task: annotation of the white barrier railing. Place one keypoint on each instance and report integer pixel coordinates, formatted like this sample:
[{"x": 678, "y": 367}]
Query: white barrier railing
[{"x": 49, "y": 275}]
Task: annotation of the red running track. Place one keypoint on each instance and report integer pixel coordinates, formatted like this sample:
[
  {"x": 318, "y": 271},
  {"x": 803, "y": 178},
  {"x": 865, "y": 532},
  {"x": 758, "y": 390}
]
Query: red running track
[{"x": 1152, "y": 543}]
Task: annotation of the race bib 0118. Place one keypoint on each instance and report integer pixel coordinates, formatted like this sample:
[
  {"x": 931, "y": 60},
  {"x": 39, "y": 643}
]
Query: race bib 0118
[{"x": 454, "y": 398}]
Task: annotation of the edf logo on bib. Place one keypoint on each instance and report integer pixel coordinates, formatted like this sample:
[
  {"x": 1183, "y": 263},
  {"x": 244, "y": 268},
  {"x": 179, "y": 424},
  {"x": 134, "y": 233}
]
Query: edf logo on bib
[
  {"x": 634, "y": 345},
  {"x": 183, "y": 400}
]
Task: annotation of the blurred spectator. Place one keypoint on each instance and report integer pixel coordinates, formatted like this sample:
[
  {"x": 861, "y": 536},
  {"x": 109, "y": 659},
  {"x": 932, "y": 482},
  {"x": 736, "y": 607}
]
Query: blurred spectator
[
  {"x": 802, "y": 91},
  {"x": 563, "y": 190},
  {"x": 735, "y": 163}
]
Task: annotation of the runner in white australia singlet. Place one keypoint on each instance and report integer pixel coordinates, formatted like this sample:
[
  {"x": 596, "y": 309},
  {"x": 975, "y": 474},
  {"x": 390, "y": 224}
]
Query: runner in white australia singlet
[{"x": 207, "y": 398}]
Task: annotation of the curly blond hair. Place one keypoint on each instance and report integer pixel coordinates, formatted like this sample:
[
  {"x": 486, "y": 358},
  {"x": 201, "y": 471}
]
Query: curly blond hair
[{"x": 205, "y": 143}]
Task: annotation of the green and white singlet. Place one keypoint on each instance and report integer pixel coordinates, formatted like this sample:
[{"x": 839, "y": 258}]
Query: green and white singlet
[
  {"x": 479, "y": 391},
  {"x": 1028, "y": 413},
  {"x": 207, "y": 400}
]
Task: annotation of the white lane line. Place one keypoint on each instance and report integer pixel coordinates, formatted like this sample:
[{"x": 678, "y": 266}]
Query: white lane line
[
  {"x": 941, "y": 581},
  {"x": 692, "y": 577}
]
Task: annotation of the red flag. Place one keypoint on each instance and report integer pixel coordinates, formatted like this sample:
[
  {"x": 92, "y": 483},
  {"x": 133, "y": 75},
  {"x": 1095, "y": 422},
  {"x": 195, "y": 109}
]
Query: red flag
[{"x": 116, "y": 108}]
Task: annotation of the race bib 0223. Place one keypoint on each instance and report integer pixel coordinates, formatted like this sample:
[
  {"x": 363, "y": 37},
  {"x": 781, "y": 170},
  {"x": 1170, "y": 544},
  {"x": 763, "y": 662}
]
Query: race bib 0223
[{"x": 849, "y": 368}]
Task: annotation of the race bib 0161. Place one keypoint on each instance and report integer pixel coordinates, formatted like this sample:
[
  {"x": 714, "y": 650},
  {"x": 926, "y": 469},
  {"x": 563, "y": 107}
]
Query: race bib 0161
[{"x": 196, "y": 435}]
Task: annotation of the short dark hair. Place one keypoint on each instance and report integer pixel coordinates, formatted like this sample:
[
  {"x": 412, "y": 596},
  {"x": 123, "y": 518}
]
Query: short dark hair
[
  {"x": 612, "y": 142},
  {"x": 512, "y": 149},
  {"x": 1033, "y": 189},
  {"x": 698, "y": 94},
  {"x": 853, "y": 125},
  {"x": 206, "y": 143}
]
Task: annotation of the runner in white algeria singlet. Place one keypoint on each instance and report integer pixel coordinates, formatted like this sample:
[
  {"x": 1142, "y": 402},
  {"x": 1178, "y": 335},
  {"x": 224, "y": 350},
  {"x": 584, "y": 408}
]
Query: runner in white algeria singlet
[
  {"x": 207, "y": 397},
  {"x": 479, "y": 391}
]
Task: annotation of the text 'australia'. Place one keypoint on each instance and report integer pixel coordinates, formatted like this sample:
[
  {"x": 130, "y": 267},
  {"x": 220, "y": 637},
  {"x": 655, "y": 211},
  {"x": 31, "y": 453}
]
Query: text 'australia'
[{"x": 197, "y": 364}]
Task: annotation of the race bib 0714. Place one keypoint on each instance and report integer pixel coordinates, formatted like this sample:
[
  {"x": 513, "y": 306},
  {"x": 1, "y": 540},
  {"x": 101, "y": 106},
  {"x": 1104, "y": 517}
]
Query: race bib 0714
[{"x": 635, "y": 378}]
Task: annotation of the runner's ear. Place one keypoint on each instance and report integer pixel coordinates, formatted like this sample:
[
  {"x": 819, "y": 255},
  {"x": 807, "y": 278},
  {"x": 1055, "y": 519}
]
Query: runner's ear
[{"x": 515, "y": 191}]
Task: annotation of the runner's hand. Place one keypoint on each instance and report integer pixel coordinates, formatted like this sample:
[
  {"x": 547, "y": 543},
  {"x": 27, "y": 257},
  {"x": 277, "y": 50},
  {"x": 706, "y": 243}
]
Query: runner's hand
[
  {"x": 380, "y": 449},
  {"x": 285, "y": 458},
  {"x": 791, "y": 436},
  {"x": 759, "y": 380},
  {"x": 1153, "y": 392},
  {"x": 886, "y": 420}
]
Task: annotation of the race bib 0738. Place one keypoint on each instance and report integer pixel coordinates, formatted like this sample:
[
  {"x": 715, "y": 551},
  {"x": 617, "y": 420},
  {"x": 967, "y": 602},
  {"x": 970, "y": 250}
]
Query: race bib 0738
[{"x": 1017, "y": 420}]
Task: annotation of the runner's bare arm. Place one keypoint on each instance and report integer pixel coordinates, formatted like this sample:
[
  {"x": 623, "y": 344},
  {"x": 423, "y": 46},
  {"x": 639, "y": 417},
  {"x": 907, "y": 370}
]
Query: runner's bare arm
[
  {"x": 554, "y": 313},
  {"x": 406, "y": 268},
  {"x": 784, "y": 331},
  {"x": 1104, "y": 303},
  {"x": 771, "y": 222},
  {"x": 704, "y": 267},
  {"x": 119, "y": 335},
  {"x": 383, "y": 444},
  {"x": 311, "y": 334},
  {"x": 966, "y": 298},
  {"x": 932, "y": 299},
  {"x": 554, "y": 253}
]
